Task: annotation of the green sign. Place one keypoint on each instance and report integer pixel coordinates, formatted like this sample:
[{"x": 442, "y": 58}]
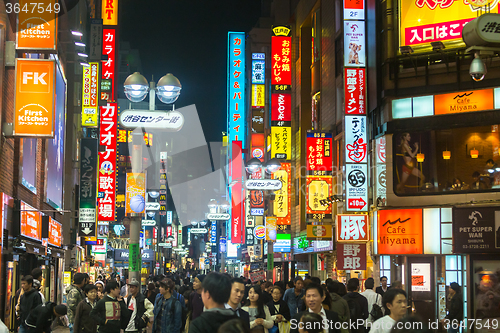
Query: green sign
[
  {"x": 106, "y": 85},
  {"x": 134, "y": 258}
]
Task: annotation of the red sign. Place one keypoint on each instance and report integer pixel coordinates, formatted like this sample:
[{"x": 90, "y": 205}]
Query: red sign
[
  {"x": 237, "y": 195},
  {"x": 351, "y": 257},
  {"x": 435, "y": 32},
  {"x": 31, "y": 223},
  {"x": 352, "y": 228},
  {"x": 257, "y": 276},
  {"x": 108, "y": 66},
  {"x": 55, "y": 232},
  {"x": 107, "y": 163},
  {"x": 355, "y": 91},
  {"x": 281, "y": 61},
  {"x": 169, "y": 230},
  {"x": 356, "y": 203},
  {"x": 258, "y": 152},
  {"x": 400, "y": 231},
  {"x": 281, "y": 107},
  {"x": 319, "y": 153}
]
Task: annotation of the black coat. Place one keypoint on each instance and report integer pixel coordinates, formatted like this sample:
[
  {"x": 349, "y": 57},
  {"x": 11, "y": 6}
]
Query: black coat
[
  {"x": 29, "y": 301},
  {"x": 456, "y": 311},
  {"x": 210, "y": 321},
  {"x": 381, "y": 291},
  {"x": 83, "y": 322},
  {"x": 140, "y": 321},
  {"x": 332, "y": 317},
  {"x": 40, "y": 319},
  {"x": 244, "y": 316},
  {"x": 284, "y": 310}
]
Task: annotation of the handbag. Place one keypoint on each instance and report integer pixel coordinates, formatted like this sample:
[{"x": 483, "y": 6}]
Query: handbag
[{"x": 284, "y": 327}]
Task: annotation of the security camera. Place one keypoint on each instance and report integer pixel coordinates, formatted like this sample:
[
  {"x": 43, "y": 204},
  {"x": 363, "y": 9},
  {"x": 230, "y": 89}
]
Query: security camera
[{"x": 477, "y": 68}]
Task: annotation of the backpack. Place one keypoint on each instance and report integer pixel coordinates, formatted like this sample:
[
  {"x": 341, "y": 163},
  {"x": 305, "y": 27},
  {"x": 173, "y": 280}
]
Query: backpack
[
  {"x": 355, "y": 310},
  {"x": 376, "y": 312}
]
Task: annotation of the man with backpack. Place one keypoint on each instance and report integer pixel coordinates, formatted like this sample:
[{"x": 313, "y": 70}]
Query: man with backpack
[
  {"x": 140, "y": 307},
  {"x": 374, "y": 302},
  {"x": 167, "y": 310},
  {"x": 358, "y": 306}
]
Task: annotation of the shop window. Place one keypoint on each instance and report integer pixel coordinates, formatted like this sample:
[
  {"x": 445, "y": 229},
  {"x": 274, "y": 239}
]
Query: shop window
[
  {"x": 450, "y": 161},
  {"x": 385, "y": 268}
]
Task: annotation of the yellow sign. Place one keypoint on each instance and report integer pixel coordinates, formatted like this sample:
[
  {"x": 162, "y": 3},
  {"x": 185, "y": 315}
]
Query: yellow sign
[
  {"x": 281, "y": 31},
  {"x": 109, "y": 12},
  {"x": 258, "y": 95},
  {"x": 67, "y": 278},
  {"x": 318, "y": 189},
  {"x": 281, "y": 142},
  {"x": 282, "y": 201},
  {"x": 426, "y": 21},
  {"x": 319, "y": 231},
  {"x": 271, "y": 228},
  {"x": 37, "y": 23},
  {"x": 135, "y": 193},
  {"x": 90, "y": 114}
]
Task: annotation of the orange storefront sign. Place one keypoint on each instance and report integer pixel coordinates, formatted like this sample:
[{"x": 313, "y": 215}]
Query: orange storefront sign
[
  {"x": 31, "y": 223},
  {"x": 37, "y": 24},
  {"x": 465, "y": 101},
  {"x": 34, "y": 98},
  {"x": 400, "y": 231},
  {"x": 110, "y": 12},
  {"x": 55, "y": 232}
]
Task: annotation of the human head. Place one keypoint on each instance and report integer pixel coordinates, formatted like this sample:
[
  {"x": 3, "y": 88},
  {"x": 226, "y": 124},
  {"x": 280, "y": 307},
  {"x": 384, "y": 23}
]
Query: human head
[
  {"x": 113, "y": 289},
  {"x": 314, "y": 297},
  {"x": 266, "y": 286},
  {"x": 255, "y": 295},
  {"x": 237, "y": 292},
  {"x": 198, "y": 281},
  {"x": 216, "y": 290},
  {"x": 60, "y": 310},
  {"x": 369, "y": 283},
  {"x": 299, "y": 283},
  {"x": 395, "y": 303},
  {"x": 383, "y": 281},
  {"x": 27, "y": 283},
  {"x": 234, "y": 326},
  {"x": 117, "y": 278},
  {"x": 36, "y": 273},
  {"x": 276, "y": 293},
  {"x": 311, "y": 323},
  {"x": 166, "y": 287},
  {"x": 454, "y": 288},
  {"x": 86, "y": 278},
  {"x": 405, "y": 137},
  {"x": 133, "y": 287},
  {"x": 91, "y": 291},
  {"x": 79, "y": 279},
  {"x": 100, "y": 286},
  {"x": 289, "y": 285},
  {"x": 151, "y": 286},
  {"x": 316, "y": 280},
  {"x": 353, "y": 284},
  {"x": 397, "y": 285}
]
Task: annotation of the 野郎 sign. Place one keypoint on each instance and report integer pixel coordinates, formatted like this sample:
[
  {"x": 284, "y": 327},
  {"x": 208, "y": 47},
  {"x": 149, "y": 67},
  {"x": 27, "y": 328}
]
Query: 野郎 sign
[{"x": 351, "y": 256}]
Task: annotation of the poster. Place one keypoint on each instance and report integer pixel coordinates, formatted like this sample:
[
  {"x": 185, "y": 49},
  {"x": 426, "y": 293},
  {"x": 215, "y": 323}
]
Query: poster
[
  {"x": 356, "y": 147},
  {"x": 354, "y": 44},
  {"x": 421, "y": 277},
  {"x": 357, "y": 187}
]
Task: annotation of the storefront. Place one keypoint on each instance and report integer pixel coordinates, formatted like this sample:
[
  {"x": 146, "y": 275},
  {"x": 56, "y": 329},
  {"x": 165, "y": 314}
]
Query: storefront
[
  {"x": 121, "y": 262},
  {"x": 310, "y": 257}
]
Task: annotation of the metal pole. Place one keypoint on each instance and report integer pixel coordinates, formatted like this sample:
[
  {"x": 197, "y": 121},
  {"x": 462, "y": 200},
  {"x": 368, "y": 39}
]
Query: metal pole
[{"x": 135, "y": 223}]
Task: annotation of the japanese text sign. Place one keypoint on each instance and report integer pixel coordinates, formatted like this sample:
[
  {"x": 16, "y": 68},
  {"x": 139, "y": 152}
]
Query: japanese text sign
[
  {"x": 281, "y": 109},
  {"x": 258, "y": 95},
  {"x": 34, "y": 98},
  {"x": 281, "y": 142},
  {"x": 357, "y": 187},
  {"x": 356, "y": 147},
  {"x": 426, "y": 21},
  {"x": 88, "y": 172},
  {"x": 400, "y": 231},
  {"x": 37, "y": 24},
  {"x": 135, "y": 193},
  {"x": 318, "y": 188},
  {"x": 283, "y": 197},
  {"x": 281, "y": 60},
  {"x": 237, "y": 198},
  {"x": 163, "y": 188},
  {"x": 355, "y": 90},
  {"x": 55, "y": 232},
  {"x": 351, "y": 257},
  {"x": 319, "y": 160},
  {"x": 108, "y": 66},
  {"x": 352, "y": 228},
  {"x": 354, "y": 9},
  {"x": 95, "y": 39},
  {"x": 90, "y": 112},
  {"x": 236, "y": 88},
  {"x": 258, "y": 71},
  {"x": 354, "y": 44},
  {"x": 31, "y": 222},
  {"x": 107, "y": 163},
  {"x": 109, "y": 12}
]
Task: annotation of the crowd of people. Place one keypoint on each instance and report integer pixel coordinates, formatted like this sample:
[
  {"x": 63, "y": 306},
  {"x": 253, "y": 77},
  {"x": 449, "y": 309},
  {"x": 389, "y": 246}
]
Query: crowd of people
[{"x": 217, "y": 303}]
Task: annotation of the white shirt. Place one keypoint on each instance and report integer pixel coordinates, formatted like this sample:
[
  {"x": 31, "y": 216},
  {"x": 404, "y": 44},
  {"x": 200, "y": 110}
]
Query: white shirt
[
  {"x": 322, "y": 313},
  {"x": 383, "y": 325},
  {"x": 132, "y": 306},
  {"x": 373, "y": 298}
]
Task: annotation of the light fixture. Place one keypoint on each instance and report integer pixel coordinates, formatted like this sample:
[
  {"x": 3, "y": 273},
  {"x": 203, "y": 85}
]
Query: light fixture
[
  {"x": 194, "y": 223},
  {"x": 474, "y": 153},
  {"x": 136, "y": 87},
  {"x": 420, "y": 157},
  {"x": 253, "y": 165},
  {"x": 84, "y": 64},
  {"x": 446, "y": 155},
  {"x": 76, "y": 33},
  {"x": 79, "y": 44},
  {"x": 225, "y": 204},
  {"x": 154, "y": 194},
  {"x": 203, "y": 223},
  {"x": 168, "y": 89},
  {"x": 406, "y": 49},
  {"x": 170, "y": 238},
  {"x": 437, "y": 46},
  {"x": 83, "y": 55},
  {"x": 212, "y": 204},
  {"x": 273, "y": 165}
]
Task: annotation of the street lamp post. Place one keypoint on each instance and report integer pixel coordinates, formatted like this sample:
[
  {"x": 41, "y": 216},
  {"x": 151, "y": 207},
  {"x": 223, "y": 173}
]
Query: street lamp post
[
  {"x": 252, "y": 166},
  {"x": 136, "y": 89}
]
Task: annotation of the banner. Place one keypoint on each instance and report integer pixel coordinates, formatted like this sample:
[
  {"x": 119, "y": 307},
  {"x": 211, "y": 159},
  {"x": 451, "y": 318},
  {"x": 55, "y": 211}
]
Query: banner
[
  {"x": 31, "y": 222},
  {"x": 135, "y": 193},
  {"x": 236, "y": 87},
  {"x": 90, "y": 95},
  {"x": 283, "y": 197},
  {"x": 36, "y": 23}
]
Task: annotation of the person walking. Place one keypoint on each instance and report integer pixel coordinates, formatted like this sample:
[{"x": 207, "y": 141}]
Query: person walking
[
  {"x": 395, "y": 305},
  {"x": 28, "y": 301},
  {"x": 382, "y": 289},
  {"x": 40, "y": 319},
  {"x": 358, "y": 306},
  {"x": 74, "y": 296},
  {"x": 167, "y": 310},
  {"x": 111, "y": 313},
  {"x": 456, "y": 311},
  {"x": 234, "y": 301},
  {"x": 195, "y": 298},
  {"x": 83, "y": 322},
  {"x": 151, "y": 292},
  {"x": 140, "y": 306},
  {"x": 37, "y": 275},
  {"x": 280, "y": 313},
  {"x": 373, "y": 298},
  {"x": 260, "y": 317},
  {"x": 293, "y": 296},
  {"x": 339, "y": 305}
]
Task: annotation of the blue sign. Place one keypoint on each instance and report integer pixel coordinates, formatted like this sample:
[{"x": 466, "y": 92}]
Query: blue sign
[
  {"x": 236, "y": 88},
  {"x": 207, "y": 261},
  {"x": 260, "y": 56},
  {"x": 257, "y": 211},
  {"x": 169, "y": 217},
  {"x": 222, "y": 245},
  {"x": 258, "y": 71},
  {"x": 213, "y": 232}
]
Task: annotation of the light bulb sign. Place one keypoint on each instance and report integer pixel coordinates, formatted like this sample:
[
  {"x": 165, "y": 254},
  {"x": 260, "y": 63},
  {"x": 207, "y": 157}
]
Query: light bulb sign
[
  {"x": 214, "y": 216},
  {"x": 171, "y": 121},
  {"x": 263, "y": 184}
]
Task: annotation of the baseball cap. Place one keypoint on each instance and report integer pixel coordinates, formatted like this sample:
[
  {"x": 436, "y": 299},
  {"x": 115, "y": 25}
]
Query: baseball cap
[{"x": 134, "y": 282}]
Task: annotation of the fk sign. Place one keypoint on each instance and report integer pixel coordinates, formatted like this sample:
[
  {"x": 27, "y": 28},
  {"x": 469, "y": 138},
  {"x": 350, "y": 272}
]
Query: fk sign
[{"x": 34, "y": 99}]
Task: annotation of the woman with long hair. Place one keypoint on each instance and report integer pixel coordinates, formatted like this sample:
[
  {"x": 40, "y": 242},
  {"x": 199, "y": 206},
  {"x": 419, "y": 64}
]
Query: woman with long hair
[
  {"x": 409, "y": 163},
  {"x": 260, "y": 317},
  {"x": 151, "y": 292}
]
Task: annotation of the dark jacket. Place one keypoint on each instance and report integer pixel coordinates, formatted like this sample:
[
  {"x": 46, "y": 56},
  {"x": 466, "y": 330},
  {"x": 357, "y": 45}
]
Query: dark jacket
[
  {"x": 210, "y": 321},
  {"x": 456, "y": 310},
  {"x": 284, "y": 310},
  {"x": 267, "y": 297},
  {"x": 28, "y": 302},
  {"x": 245, "y": 316},
  {"x": 40, "y": 319},
  {"x": 83, "y": 322},
  {"x": 196, "y": 305},
  {"x": 151, "y": 297},
  {"x": 361, "y": 309},
  {"x": 332, "y": 317},
  {"x": 140, "y": 320},
  {"x": 170, "y": 316},
  {"x": 380, "y": 291},
  {"x": 113, "y": 311}
]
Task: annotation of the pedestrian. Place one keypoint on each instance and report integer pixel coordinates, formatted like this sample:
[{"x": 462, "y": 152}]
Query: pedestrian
[
  {"x": 83, "y": 322},
  {"x": 234, "y": 326},
  {"x": 124, "y": 289},
  {"x": 196, "y": 301},
  {"x": 374, "y": 301},
  {"x": 28, "y": 301},
  {"x": 293, "y": 296},
  {"x": 310, "y": 322},
  {"x": 358, "y": 306},
  {"x": 382, "y": 289},
  {"x": 260, "y": 317},
  {"x": 74, "y": 295},
  {"x": 40, "y": 319},
  {"x": 339, "y": 305},
  {"x": 266, "y": 292},
  {"x": 151, "y": 292},
  {"x": 141, "y": 307},
  {"x": 456, "y": 310},
  {"x": 397, "y": 284},
  {"x": 234, "y": 301},
  {"x": 100, "y": 289},
  {"x": 167, "y": 310},
  {"x": 216, "y": 292},
  {"x": 280, "y": 313},
  {"x": 111, "y": 313},
  {"x": 395, "y": 306},
  {"x": 37, "y": 275},
  {"x": 314, "y": 298}
]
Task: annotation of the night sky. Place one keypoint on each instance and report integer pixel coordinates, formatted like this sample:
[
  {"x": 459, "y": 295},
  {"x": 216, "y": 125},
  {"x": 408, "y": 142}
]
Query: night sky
[{"x": 188, "y": 38}]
